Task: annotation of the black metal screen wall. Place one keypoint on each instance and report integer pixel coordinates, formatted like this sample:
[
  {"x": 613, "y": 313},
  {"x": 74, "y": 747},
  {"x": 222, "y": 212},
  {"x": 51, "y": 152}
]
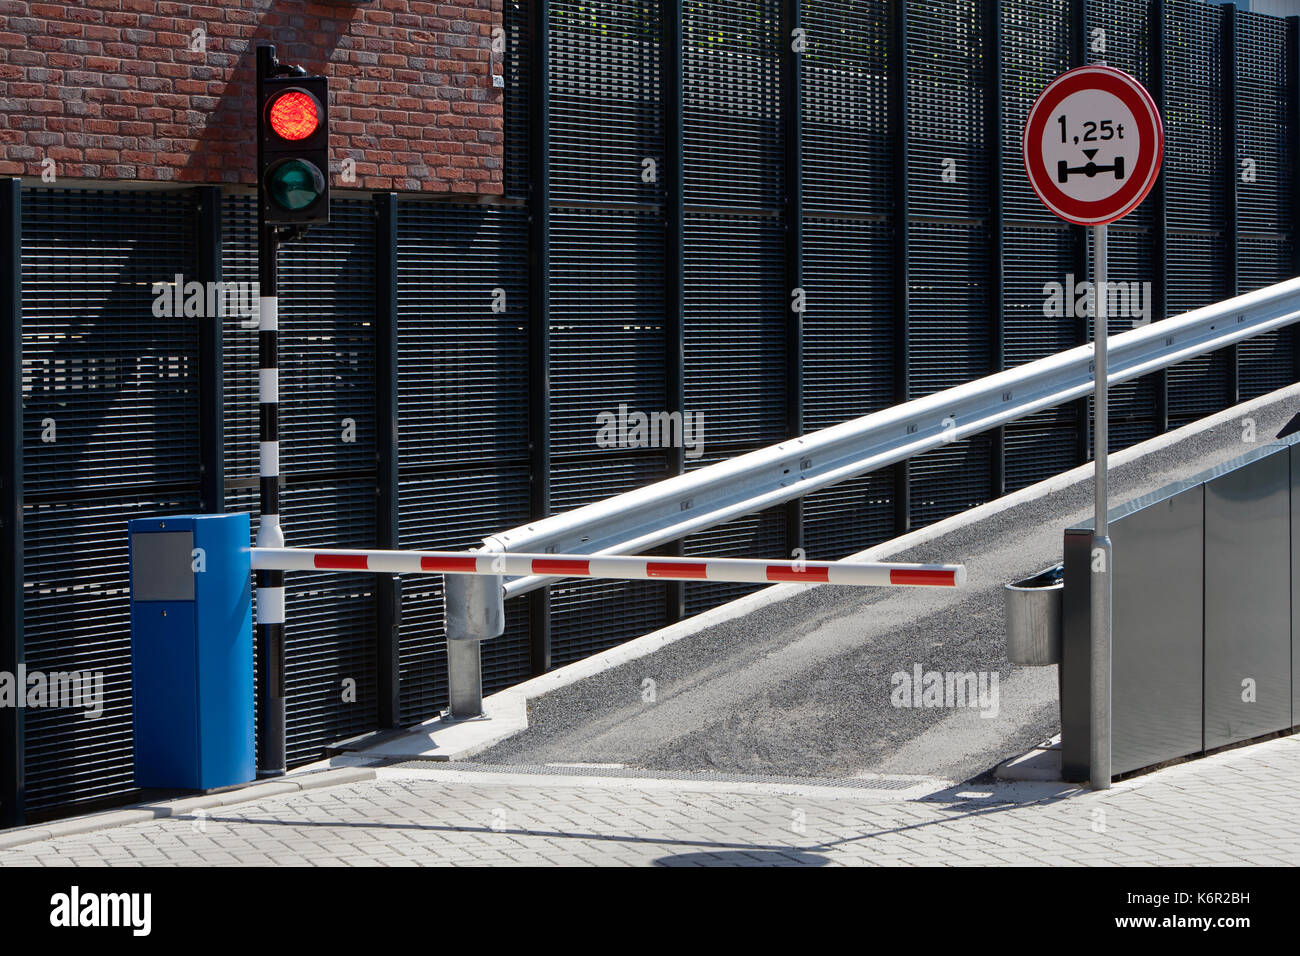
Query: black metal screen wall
[{"x": 775, "y": 215}]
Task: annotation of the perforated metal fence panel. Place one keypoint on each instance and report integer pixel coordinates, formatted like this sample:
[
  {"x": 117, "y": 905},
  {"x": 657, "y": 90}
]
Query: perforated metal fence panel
[
  {"x": 110, "y": 410},
  {"x": 462, "y": 407}
]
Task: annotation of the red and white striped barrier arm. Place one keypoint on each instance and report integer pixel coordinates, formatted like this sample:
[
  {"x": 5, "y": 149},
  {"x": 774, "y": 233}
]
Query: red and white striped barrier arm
[{"x": 621, "y": 567}]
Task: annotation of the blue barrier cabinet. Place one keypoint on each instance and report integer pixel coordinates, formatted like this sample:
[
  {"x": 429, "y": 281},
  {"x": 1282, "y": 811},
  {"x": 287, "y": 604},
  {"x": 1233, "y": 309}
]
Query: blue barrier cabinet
[{"x": 192, "y": 651}]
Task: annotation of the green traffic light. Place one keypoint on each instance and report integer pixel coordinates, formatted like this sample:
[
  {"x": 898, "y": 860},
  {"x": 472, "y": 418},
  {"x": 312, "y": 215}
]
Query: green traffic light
[{"x": 295, "y": 184}]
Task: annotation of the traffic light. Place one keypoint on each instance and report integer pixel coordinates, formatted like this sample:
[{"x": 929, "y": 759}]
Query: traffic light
[{"x": 293, "y": 147}]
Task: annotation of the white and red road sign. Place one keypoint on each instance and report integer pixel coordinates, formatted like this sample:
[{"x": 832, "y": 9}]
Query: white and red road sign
[
  {"x": 1093, "y": 145},
  {"x": 620, "y": 567}
]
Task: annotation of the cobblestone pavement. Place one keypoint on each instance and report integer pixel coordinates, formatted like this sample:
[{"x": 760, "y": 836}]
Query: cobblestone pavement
[{"x": 1239, "y": 806}]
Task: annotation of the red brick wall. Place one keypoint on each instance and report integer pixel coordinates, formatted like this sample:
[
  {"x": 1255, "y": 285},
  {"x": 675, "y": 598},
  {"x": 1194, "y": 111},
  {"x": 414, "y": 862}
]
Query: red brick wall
[{"x": 127, "y": 89}]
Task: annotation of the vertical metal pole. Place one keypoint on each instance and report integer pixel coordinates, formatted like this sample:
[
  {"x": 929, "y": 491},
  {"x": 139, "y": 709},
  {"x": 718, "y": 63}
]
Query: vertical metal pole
[
  {"x": 1101, "y": 551},
  {"x": 902, "y": 276},
  {"x": 388, "y": 587},
  {"x": 792, "y": 129},
  {"x": 1293, "y": 147},
  {"x": 1160, "y": 200},
  {"x": 539, "y": 317},
  {"x": 1228, "y": 69},
  {"x": 271, "y": 759},
  {"x": 212, "y": 462},
  {"x": 12, "y": 789},
  {"x": 671, "y": 53},
  {"x": 993, "y": 132}
]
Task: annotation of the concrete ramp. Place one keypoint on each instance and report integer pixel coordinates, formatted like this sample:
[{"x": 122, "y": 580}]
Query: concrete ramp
[{"x": 817, "y": 681}]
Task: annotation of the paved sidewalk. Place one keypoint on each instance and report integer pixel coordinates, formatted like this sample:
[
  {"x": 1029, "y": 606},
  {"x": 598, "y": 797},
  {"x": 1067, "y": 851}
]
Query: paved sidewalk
[{"x": 1237, "y": 807}]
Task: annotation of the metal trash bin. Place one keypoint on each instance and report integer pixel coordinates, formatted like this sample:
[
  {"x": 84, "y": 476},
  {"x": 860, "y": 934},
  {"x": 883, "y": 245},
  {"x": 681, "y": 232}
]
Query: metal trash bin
[{"x": 1034, "y": 623}]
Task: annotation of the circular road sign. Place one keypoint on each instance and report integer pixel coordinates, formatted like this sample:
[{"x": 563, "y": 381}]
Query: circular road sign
[{"x": 1093, "y": 144}]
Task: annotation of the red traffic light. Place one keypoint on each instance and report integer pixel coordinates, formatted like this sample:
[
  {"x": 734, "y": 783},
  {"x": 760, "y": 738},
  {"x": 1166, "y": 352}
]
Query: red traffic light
[{"x": 294, "y": 115}]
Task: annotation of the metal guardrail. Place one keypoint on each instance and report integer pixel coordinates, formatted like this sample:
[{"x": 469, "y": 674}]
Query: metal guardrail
[{"x": 670, "y": 509}]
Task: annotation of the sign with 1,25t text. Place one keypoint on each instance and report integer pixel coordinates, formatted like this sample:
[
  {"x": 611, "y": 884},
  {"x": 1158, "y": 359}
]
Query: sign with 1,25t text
[{"x": 1093, "y": 144}]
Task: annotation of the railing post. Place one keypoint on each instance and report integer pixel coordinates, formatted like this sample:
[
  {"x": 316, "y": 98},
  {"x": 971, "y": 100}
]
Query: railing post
[
  {"x": 11, "y": 495},
  {"x": 475, "y": 612}
]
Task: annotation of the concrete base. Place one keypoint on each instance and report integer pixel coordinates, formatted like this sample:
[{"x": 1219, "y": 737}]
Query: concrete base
[
  {"x": 1043, "y": 763},
  {"x": 504, "y": 714}
]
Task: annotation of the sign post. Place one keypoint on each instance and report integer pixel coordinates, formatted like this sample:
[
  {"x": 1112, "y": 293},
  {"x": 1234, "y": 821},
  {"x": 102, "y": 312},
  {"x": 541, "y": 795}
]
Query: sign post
[{"x": 1092, "y": 148}]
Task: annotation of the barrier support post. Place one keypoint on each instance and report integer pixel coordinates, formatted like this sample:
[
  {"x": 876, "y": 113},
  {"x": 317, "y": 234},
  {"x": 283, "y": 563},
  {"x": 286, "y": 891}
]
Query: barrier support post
[{"x": 475, "y": 612}]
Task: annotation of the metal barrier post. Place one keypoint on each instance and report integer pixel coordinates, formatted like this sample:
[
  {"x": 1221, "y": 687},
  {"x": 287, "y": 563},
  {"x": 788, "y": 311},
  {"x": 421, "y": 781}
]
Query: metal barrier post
[
  {"x": 475, "y": 610},
  {"x": 1101, "y": 551}
]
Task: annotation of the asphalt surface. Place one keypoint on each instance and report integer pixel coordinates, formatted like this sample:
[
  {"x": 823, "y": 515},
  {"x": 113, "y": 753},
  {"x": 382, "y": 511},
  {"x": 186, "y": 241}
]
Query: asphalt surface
[{"x": 803, "y": 686}]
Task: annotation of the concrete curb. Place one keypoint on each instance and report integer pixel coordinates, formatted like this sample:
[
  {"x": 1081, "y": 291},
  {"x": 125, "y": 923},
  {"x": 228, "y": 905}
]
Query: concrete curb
[{"x": 171, "y": 808}]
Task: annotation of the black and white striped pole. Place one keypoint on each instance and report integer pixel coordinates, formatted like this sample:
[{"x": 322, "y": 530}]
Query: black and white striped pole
[
  {"x": 271, "y": 759},
  {"x": 293, "y": 193}
]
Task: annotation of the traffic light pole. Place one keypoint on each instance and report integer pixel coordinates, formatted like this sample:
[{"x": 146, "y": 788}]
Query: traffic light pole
[
  {"x": 293, "y": 192},
  {"x": 271, "y": 760}
]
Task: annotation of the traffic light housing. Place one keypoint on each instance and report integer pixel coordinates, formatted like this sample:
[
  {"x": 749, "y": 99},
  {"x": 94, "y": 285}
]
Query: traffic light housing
[{"x": 293, "y": 148}]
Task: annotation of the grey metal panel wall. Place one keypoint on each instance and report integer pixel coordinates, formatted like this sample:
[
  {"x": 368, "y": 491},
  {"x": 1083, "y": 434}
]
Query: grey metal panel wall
[
  {"x": 1156, "y": 648},
  {"x": 1247, "y": 601}
]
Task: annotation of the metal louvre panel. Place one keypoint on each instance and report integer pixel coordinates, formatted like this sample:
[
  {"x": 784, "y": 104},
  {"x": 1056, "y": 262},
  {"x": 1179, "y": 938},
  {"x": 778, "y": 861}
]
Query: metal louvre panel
[
  {"x": 1198, "y": 386},
  {"x": 327, "y": 344},
  {"x": 606, "y": 102},
  {"x": 455, "y": 511},
  {"x": 849, "y": 517},
  {"x": 735, "y": 330},
  {"x": 1193, "y": 159},
  {"x": 239, "y": 339},
  {"x": 731, "y": 103},
  {"x": 606, "y": 323},
  {"x": 845, "y": 108},
  {"x": 1266, "y": 360},
  {"x": 753, "y": 536},
  {"x": 1264, "y": 124},
  {"x": 110, "y": 389},
  {"x": 330, "y": 619},
  {"x": 951, "y": 480},
  {"x": 76, "y": 602},
  {"x": 947, "y": 96},
  {"x": 1126, "y": 37},
  {"x": 848, "y": 343},
  {"x": 590, "y": 616},
  {"x": 1037, "y": 449},
  {"x": 1034, "y": 258},
  {"x": 949, "y": 323},
  {"x": 463, "y": 382},
  {"x": 1035, "y": 49},
  {"x": 517, "y": 68}
]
